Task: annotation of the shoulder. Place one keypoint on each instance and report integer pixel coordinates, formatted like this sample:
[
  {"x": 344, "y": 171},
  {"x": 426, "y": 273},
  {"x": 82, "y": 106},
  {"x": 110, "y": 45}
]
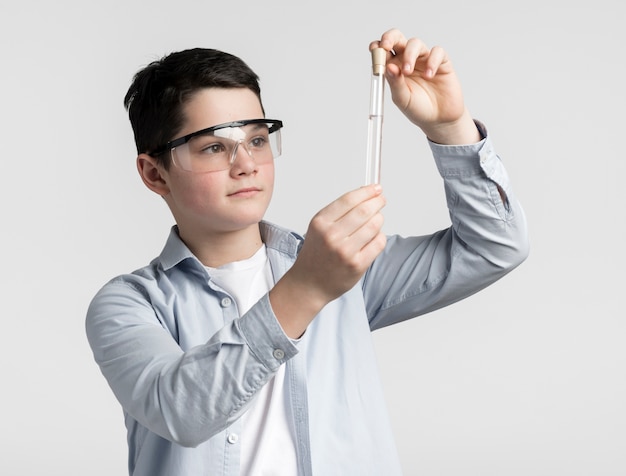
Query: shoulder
[{"x": 130, "y": 286}]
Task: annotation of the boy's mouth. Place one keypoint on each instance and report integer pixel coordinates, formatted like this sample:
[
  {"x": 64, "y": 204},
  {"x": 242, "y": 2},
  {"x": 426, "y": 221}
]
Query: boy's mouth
[{"x": 244, "y": 192}]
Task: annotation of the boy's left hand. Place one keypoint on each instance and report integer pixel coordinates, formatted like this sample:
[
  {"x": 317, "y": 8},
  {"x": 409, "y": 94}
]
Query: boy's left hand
[{"x": 425, "y": 87}]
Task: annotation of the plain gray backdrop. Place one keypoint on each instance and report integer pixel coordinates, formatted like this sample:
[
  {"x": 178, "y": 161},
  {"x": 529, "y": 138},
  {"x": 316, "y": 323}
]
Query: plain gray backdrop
[{"x": 524, "y": 378}]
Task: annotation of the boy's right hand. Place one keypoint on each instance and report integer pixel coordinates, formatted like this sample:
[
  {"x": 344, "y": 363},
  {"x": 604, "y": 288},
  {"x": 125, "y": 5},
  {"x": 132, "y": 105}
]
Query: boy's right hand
[{"x": 342, "y": 241}]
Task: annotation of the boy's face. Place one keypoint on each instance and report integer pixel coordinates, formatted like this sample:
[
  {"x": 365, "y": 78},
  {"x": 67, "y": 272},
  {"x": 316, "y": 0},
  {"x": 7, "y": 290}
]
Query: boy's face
[{"x": 205, "y": 204}]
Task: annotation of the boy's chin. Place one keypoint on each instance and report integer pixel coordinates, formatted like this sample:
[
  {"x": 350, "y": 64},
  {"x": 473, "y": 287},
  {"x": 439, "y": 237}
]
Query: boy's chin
[{"x": 243, "y": 223}]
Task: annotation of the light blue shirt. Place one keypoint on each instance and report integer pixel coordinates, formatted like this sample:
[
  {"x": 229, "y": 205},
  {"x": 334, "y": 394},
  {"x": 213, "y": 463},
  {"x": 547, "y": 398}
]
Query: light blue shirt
[{"x": 184, "y": 365}]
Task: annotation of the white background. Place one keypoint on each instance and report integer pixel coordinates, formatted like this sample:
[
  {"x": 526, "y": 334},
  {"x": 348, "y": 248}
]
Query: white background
[{"x": 525, "y": 378}]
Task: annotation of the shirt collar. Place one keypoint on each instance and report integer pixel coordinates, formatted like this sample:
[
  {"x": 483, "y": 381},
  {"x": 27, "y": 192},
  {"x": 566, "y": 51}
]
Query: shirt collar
[
  {"x": 174, "y": 251},
  {"x": 275, "y": 237}
]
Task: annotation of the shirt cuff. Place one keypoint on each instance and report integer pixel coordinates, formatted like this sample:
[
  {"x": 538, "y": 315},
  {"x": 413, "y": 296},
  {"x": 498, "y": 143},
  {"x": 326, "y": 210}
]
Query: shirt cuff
[
  {"x": 265, "y": 336},
  {"x": 468, "y": 159}
]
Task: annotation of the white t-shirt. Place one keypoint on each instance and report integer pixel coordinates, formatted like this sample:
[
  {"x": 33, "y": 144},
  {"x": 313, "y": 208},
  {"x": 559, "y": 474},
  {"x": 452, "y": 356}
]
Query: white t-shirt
[{"x": 267, "y": 441}]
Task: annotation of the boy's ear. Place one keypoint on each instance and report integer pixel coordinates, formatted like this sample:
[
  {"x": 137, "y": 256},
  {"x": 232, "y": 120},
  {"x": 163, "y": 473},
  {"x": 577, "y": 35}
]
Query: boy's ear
[{"x": 152, "y": 174}]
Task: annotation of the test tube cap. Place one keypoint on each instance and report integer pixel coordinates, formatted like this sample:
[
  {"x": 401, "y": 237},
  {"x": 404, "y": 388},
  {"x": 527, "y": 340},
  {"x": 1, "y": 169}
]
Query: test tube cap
[{"x": 379, "y": 59}]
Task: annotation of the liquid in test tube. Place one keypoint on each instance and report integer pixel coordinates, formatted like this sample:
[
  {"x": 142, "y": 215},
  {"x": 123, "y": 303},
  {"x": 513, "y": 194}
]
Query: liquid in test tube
[{"x": 375, "y": 127}]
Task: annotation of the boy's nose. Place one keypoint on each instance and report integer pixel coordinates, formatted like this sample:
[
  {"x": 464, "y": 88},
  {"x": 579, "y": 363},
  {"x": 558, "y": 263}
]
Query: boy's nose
[{"x": 242, "y": 157}]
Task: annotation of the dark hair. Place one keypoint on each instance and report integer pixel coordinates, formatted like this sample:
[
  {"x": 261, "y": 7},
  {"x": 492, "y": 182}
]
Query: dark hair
[{"x": 159, "y": 91}]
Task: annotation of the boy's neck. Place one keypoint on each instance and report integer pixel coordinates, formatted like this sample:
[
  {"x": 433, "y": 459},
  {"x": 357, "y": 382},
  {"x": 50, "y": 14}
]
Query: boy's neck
[{"x": 218, "y": 249}]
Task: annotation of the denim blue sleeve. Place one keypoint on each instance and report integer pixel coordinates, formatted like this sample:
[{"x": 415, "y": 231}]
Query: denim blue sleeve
[
  {"x": 486, "y": 240},
  {"x": 185, "y": 395}
]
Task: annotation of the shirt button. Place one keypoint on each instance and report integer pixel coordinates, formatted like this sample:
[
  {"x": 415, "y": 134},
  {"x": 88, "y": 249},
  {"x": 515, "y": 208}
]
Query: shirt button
[
  {"x": 278, "y": 354},
  {"x": 233, "y": 438},
  {"x": 226, "y": 302}
]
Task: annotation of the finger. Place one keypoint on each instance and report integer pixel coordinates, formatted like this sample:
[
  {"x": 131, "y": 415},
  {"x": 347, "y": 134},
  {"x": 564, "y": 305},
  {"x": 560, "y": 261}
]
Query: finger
[
  {"x": 392, "y": 40},
  {"x": 368, "y": 230},
  {"x": 415, "y": 50},
  {"x": 363, "y": 212},
  {"x": 338, "y": 208},
  {"x": 374, "y": 44},
  {"x": 351, "y": 232},
  {"x": 359, "y": 216},
  {"x": 375, "y": 246},
  {"x": 372, "y": 243},
  {"x": 434, "y": 61},
  {"x": 358, "y": 246}
]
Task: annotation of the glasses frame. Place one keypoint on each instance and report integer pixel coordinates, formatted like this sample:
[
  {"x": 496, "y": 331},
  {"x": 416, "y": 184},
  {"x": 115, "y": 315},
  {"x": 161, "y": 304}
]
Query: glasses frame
[{"x": 275, "y": 125}]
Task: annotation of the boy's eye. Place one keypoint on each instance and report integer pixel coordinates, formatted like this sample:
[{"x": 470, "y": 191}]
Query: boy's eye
[
  {"x": 210, "y": 148},
  {"x": 213, "y": 149},
  {"x": 258, "y": 142}
]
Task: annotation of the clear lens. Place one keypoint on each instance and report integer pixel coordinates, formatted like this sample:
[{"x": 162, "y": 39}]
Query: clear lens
[{"x": 218, "y": 149}]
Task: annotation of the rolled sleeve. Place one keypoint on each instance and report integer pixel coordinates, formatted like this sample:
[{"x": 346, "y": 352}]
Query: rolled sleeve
[{"x": 265, "y": 336}]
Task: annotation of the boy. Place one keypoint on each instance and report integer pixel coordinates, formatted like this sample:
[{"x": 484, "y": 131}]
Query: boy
[{"x": 245, "y": 349}]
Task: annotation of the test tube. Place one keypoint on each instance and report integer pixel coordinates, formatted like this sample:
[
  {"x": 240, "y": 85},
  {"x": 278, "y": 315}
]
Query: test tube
[{"x": 375, "y": 126}]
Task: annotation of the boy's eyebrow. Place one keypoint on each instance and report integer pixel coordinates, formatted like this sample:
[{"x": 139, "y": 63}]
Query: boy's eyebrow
[
  {"x": 261, "y": 125},
  {"x": 230, "y": 131}
]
